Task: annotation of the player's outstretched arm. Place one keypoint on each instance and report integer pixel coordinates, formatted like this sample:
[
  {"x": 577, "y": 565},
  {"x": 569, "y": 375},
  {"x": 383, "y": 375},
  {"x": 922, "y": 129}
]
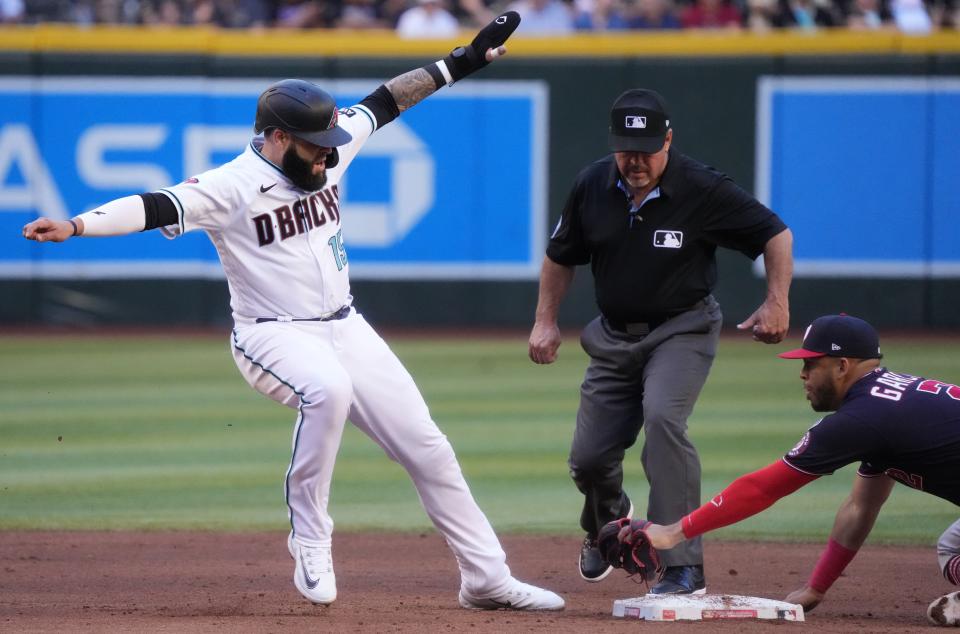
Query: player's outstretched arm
[
  {"x": 854, "y": 521},
  {"x": 746, "y": 496},
  {"x": 116, "y": 218},
  {"x": 412, "y": 87},
  {"x": 49, "y": 230}
]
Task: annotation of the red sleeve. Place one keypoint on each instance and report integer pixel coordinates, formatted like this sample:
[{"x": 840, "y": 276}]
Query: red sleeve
[{"x": 747, "y": 495}]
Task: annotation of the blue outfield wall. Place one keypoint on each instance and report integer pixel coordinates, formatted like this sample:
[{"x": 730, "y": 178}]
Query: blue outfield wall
[
  {"x": 866, "y": 171},
  {"x": 447, "y": 210},
  {"x": 431, "y": 196}
]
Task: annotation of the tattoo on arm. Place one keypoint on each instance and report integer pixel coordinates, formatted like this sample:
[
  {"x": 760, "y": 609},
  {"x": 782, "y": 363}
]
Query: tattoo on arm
[{"x": 411, "y": 88}]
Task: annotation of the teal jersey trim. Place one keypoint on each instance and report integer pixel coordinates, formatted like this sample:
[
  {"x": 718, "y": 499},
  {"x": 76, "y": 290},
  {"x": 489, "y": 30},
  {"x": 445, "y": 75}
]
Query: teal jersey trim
[
  {"x": 265, "y": 159},
  {"x": 298, "y": 426},
  {"x": 180, "y": 209}
]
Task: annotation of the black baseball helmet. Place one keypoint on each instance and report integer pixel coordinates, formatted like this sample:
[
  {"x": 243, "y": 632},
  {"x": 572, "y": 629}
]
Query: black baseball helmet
[{"x": 304, "y": 110}]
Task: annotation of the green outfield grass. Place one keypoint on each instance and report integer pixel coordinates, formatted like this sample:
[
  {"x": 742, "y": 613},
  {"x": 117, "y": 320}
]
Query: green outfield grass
[{"x": 161, "y": 432}]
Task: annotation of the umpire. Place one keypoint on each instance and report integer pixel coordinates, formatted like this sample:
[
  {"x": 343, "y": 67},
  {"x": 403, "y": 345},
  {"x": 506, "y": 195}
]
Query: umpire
[{"x": 648, "y": 220}]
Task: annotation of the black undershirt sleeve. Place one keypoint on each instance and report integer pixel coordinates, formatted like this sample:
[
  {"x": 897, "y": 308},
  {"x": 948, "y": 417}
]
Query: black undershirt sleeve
[
  {"x": 383, "y": 106},
  {"x": 159, "y": 211}
]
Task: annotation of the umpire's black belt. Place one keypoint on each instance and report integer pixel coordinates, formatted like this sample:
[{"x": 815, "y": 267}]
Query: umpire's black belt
[
  {"x": 647, "y": 323},
  {"x": 340, "y": 313}
]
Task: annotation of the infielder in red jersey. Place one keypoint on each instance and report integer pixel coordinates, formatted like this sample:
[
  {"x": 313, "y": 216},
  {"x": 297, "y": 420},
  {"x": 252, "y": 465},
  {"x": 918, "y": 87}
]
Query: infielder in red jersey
[
  {"x": 900, "y": 427},
  {"x": 274, "y": 215}
]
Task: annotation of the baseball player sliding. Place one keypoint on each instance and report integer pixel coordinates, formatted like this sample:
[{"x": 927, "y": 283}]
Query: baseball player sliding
[
  {"x": 274, "y": 215},
  {"x": 900, "y": 427}
]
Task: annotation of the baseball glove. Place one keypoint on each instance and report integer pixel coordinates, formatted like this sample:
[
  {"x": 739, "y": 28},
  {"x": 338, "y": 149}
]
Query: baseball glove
[
  {"x": 464, "y": 60},
  {"x": 624, "y": 544}
]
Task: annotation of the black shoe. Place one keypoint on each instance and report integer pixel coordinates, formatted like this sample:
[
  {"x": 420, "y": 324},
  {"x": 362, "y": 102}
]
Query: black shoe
[
  {"x": 681, "y": 580},
  {"x": 592, "y": 566}
]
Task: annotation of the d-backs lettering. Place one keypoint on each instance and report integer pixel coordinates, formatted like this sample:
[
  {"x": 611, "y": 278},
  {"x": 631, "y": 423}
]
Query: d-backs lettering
[{"x": 305, "y": 214}]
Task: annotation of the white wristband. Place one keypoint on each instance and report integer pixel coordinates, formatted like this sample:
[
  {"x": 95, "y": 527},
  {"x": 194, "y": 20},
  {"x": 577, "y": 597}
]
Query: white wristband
[
  {"x": 442, "y": 67},
  {"x": 116, "y": 218}
]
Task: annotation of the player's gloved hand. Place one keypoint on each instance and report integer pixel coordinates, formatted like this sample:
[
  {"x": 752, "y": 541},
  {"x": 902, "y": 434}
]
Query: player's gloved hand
[
  {"x": 624, "y": 544},
  {"x": 464, "y": 60}
]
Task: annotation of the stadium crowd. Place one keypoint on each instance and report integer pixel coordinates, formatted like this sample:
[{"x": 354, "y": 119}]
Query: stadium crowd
[{"x": 443, "y": 18}]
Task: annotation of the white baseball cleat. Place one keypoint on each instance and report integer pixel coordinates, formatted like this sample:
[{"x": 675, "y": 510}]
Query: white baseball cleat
[
  {"x": 945, "y": 610},
  {"x": 515, "y": 596},
  {"x": 313, "y": 575}
]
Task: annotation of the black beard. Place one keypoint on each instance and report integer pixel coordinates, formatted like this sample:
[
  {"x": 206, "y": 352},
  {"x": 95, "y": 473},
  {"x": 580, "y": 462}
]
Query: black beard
[
  {"x": 300, "y": 172},
  {"x": 824, "y": 399}
]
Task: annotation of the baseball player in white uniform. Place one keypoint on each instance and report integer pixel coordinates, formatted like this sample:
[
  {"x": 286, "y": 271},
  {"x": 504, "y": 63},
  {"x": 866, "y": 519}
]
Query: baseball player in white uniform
[{"x": 274, "y": 215}]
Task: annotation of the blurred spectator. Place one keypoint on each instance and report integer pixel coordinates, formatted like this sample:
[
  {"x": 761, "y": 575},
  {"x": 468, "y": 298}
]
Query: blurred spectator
[
  {"x": 232, "y": 14},
  {"x": 944, "y": 13},
  {"x": 911, "y": 17},
  {"x": 760, "y": 15},
  {"x": 807, "y": 14},
  {"x": 869, "y": 15},
  {"x": 652, "y": 14},
  {"x": 157, "y": 13},
  {"x": 11, "y": 11},
  {"x": 474, "y": 12},
  {"x": 599, "y": 15},
  {"x": 301, "y": 14},
  {"x": 427, "y": 19},
  {"x": 360, "y": 14},
  {"x": 710, "y": 14},
  {"x": 543, "y": 17}
]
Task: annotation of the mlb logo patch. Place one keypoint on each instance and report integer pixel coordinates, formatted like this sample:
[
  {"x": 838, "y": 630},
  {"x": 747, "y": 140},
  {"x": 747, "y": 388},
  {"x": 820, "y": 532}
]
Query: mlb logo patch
[
  {"x": 667, "y": 239},
  {"x": 635, "y": 121}
]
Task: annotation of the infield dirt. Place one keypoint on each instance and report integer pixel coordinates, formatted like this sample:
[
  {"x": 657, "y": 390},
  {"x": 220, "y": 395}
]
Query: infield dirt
[{"x": 241, "y": 582}]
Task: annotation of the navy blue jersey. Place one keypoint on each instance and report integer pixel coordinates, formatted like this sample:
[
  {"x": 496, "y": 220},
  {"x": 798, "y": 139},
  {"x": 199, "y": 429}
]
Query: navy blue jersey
[{"x": 904, "y": 426}]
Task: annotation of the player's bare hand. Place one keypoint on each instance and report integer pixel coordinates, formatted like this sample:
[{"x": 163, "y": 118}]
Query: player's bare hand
[
  {"x": 805, "y": 596},
  {"x": 494, "y": 53},
  {"x": 47, "y": 230},
  {"x": 544, "y": 343},
  {"x": 769, "y": 323},
  {"x": 664, "y": 537}
]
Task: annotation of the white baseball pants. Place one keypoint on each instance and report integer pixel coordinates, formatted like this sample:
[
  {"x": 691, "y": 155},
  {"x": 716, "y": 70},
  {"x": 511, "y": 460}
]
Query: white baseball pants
[{"x": 334, "y": 370}]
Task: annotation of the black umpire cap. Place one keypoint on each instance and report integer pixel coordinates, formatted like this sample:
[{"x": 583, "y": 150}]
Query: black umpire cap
[
  {"x": 304, "y": 110},
  {"x": 837, "y": 336},
  {"x": 639, "y": 121}
]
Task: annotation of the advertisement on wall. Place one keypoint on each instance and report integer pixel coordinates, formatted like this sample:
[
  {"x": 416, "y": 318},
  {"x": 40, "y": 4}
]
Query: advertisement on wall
[{"x": 453, "y": 189}]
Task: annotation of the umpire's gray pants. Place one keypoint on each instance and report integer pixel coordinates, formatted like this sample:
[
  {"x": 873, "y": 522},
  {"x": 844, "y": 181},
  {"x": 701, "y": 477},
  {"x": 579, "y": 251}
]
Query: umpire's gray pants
[{"x": 652, "y": 382}]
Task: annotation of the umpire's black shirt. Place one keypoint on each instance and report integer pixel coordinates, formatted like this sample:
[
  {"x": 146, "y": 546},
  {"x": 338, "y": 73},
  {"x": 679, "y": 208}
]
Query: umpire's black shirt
[{"x": 662, "y": 257}]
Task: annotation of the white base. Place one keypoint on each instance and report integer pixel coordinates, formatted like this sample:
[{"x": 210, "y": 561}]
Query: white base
[{"x": 704, "y": 607}]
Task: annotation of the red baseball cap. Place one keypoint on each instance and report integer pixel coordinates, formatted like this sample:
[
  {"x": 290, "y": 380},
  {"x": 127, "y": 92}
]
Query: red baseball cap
[{"x": 837, "y": 336}]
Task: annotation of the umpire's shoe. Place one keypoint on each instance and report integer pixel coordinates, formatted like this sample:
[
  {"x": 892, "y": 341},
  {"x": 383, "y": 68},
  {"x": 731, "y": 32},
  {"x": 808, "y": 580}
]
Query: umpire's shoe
[
  {"x": 515, "y": 595},
  {"x": 593, "y": 567},
  {"x": 313, "y": 575},
  {"x": 945, "y": 610},
  {"x": 681, "y": 580}
]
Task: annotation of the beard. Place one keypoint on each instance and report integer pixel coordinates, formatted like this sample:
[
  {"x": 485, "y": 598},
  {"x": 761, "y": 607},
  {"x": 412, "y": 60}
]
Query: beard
[
  {"x": 823, "y": 398},
  {"x": 300, "y": 172}
]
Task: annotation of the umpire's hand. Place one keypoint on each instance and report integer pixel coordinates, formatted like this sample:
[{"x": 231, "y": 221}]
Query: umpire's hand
[
  {"x": 544, "y": 342},
  {"x": 768, "y": 323}
]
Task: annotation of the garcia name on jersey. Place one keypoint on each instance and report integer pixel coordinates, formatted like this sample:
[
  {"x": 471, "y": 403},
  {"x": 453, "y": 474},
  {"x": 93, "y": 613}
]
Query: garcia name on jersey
[{"x": 903, "y": 426}]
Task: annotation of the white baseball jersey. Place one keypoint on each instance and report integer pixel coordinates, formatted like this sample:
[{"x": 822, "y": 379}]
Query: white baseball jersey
[
  {"x": 282, "y": 252},
  {"x": 281, "y": 247}
]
